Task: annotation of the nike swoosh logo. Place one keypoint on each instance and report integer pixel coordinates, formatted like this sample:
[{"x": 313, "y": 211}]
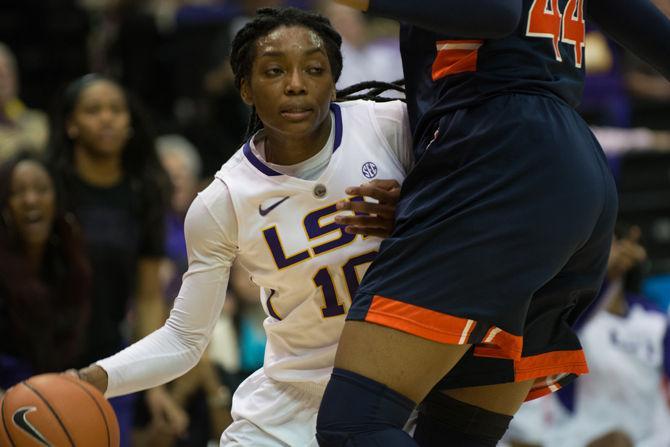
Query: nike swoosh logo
[
  {"x": 265, "y": 211},
  {"x": 21, "y": 421}
]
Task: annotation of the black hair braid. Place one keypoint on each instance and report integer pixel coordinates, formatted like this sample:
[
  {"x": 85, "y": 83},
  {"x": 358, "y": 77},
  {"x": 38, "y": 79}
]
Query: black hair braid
[
  {"x": 254, "y": 124},
  {"x": 374, "y": 89}
]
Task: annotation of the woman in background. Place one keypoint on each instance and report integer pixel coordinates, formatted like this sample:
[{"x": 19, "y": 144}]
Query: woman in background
[
  {"x": 44, "y": 275},
  {"x": 103, "y": 152}
]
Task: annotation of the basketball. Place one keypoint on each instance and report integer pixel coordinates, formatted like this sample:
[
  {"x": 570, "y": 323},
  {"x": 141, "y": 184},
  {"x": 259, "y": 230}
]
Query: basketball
[{"x": 57, "y": 410}]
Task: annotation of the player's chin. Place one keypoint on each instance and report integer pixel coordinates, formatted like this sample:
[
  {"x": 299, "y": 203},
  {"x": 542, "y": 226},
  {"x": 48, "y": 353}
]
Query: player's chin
[{"x": 299, "y": 128}]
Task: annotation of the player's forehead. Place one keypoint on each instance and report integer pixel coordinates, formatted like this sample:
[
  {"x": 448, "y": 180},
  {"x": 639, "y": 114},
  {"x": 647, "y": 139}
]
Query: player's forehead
[{"x": 294, "y": 39}]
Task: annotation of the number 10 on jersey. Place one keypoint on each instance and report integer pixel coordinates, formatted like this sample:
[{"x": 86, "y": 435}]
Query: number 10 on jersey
[{"x": 545, "y": 20}]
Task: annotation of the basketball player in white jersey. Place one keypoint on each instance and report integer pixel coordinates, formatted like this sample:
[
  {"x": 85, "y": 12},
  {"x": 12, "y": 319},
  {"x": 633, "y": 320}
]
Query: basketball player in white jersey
[
  {"x": 623, "y": 401},
  {"x": 281, "y": 207}
]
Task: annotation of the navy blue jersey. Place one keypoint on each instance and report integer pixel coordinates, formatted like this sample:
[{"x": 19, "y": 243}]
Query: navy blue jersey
[{"x": 545, "y": 55}]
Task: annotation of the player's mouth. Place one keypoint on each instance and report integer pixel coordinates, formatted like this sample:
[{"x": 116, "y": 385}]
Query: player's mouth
[{"x": 296, "y": 113}]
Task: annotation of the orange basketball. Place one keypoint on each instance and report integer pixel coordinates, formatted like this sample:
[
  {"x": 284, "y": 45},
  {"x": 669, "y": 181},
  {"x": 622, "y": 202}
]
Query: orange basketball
[{"x": 57, "y": 410}]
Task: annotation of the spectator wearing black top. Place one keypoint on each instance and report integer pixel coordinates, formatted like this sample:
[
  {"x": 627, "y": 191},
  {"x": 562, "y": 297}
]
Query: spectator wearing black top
[
  {"x": 104, "y": 154},
  {"x": 44, "y": 275}
]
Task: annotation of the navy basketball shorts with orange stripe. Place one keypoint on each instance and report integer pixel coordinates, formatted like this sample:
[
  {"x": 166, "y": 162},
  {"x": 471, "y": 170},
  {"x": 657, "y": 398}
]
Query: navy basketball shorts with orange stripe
[{"x": 502, "y": 238}]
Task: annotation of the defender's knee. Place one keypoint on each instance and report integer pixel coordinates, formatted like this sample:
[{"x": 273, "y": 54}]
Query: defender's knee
[{"x": 357, "y": 411}]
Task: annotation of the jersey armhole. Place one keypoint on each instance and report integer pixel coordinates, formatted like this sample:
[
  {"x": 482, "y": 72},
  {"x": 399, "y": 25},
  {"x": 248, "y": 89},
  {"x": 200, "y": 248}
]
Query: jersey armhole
[{"x": 387, "y": 146}]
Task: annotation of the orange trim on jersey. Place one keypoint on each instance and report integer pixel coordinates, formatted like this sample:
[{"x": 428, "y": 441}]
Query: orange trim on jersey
[
  {"x": 499, "y": 344},
  {"x": 550, "y": 363},
  {"x": 455, "y": 56},
  {"x": 419, "y": 321},
  {"x": 539, "y": 392}
]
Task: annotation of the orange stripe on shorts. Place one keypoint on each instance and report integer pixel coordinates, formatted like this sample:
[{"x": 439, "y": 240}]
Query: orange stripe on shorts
[
  {"x": 419, "y": 321},
  {"x": 550, "y": 363}
]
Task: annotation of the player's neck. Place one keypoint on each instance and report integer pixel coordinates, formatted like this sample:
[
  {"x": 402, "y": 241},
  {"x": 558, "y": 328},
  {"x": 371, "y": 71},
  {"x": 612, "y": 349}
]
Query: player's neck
[{"x": 286, "y": 150}]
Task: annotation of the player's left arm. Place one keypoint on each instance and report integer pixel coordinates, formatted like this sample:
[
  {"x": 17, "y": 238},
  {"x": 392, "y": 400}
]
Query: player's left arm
[
  {"x": 482, "y": 19},
  {"x": 371, "y": 218},
  {"x": 637, "y": 25},
  {"x": 151, "y": 312}
]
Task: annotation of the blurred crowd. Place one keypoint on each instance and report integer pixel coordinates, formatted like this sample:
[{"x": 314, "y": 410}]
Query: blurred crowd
[{"x": 92, "y": 210}]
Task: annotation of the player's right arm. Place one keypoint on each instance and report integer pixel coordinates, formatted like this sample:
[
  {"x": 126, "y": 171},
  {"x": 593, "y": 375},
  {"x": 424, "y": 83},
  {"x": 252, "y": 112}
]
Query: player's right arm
[
  {"x": 175, "y": 348},
  {"x": 638, "y": 26},
  {"x": 483, "y": 19}
]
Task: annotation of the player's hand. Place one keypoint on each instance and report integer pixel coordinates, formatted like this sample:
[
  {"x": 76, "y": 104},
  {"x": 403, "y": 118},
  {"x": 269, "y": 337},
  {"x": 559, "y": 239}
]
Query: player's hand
[
  {"x": 371, "y": 219},
  {"x": 166, "y": 415},
  {"x": 93, "y": 374},
  {"x": 625, "y": 254}
]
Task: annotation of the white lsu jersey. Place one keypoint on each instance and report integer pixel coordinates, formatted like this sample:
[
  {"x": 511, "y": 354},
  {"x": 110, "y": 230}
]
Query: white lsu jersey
[
  {"x": 624, "y": 390},
  {"x": 308, "y": 268}
]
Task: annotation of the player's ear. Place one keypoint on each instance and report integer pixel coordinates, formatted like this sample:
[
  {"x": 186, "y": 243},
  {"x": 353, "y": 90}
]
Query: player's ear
[
  {"x": 333, "y": 94},
  {"x": 245, "y": 92}
]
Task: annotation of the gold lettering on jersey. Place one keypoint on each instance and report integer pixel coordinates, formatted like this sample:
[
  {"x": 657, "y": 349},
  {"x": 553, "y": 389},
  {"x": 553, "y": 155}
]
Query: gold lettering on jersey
[
  {"x": 277, "y": 249},
  {"x": 315, "y": 228}
]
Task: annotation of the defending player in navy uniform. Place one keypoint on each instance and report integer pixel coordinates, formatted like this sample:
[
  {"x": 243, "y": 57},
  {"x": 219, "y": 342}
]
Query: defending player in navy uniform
[
  {"x": 272, "y": 207},
  {"x": 503, "y": 227}
]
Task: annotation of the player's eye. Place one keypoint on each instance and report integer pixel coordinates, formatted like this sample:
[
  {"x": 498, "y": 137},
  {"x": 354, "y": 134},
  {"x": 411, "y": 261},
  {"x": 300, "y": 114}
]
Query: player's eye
[
  {"x": 273, "y": 71},
  {"x": 315, "y": 70}
]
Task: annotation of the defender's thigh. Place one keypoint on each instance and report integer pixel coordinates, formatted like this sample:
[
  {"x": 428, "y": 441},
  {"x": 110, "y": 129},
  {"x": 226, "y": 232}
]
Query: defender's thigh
[{"x": 408, "y": 364}]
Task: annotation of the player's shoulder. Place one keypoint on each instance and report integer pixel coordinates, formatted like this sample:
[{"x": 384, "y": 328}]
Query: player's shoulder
[
  {"x": 215, "y": 196},
  {"x": 371, "y": 105},
  {"x": 231, "y": 163},
  {"x": 372, "y": 114}
]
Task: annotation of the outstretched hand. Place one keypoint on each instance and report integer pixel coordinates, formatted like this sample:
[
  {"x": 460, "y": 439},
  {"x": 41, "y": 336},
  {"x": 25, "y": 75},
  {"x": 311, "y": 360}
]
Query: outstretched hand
[
  {"x": 625, "y": 254},
  {"x": 370, "y": 218}
]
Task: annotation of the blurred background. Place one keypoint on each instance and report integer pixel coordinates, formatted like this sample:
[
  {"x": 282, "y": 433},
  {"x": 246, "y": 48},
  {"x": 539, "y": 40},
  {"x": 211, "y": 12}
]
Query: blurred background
[{"x": 172, "y": 56}]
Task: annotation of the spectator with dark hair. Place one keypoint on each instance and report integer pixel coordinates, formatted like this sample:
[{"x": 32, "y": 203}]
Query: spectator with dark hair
[
  {"x": 104, "y": 155},
  {"x": 44, "y": 275},
  {"x": 20, "y": 126}
]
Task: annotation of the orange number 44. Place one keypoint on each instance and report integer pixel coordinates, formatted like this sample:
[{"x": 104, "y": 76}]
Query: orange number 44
[{"x": 546, "y": 20}]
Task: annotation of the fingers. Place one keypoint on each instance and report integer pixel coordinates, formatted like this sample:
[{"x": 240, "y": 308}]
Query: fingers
[
  {"x": 365, "y": 231},
  {"x": 385, "y": 191},
  {"x": 364, "y": 221},
  {"x": 362, "y": 207},
  {"x": 366, "y": 225},
  {"x": 626, "y": 253},
  {"x": 72, "y": 373},
  {"x": 371, "y": 218}
]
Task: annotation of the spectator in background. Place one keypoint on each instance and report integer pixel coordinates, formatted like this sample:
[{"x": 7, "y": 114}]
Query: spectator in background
[
  {"x": 200, "y": 391},
  {"x": 104, "y": 155},
  {"x": 365, "y": 57},
  {"x": 182, "y": 163},
  {"x": 622, "y": 402},
  {"x": 605, "y": 101},
  {"x": 20, "y": 127},
  {"x": 248, "y": 319},
  {"x": 44, "y": 275},
  {"x": 627, "y": 347},
  {"x": 648, "y": 89}
]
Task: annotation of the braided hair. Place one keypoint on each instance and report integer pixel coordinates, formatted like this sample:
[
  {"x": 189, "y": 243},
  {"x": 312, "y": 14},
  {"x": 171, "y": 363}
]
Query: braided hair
[{"x": 267, "y": 20}]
